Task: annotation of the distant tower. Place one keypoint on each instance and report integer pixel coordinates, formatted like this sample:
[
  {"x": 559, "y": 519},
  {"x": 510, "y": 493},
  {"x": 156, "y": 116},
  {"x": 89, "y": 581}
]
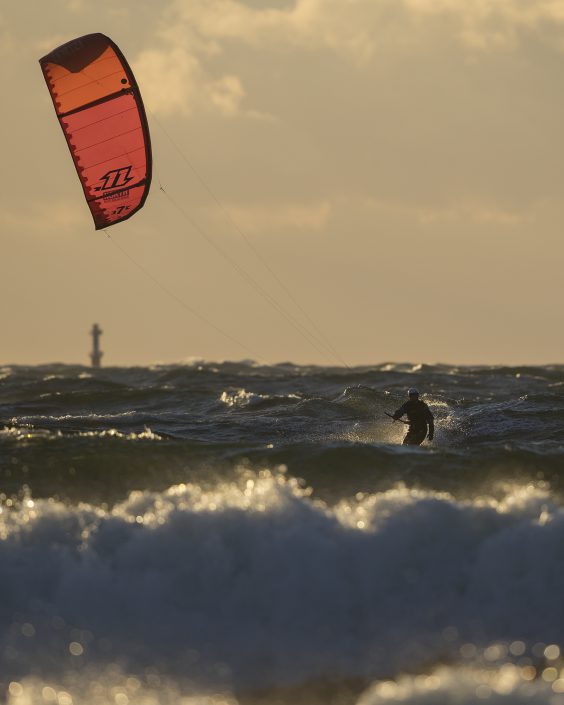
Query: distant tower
[{"x": 96, "y": 354}]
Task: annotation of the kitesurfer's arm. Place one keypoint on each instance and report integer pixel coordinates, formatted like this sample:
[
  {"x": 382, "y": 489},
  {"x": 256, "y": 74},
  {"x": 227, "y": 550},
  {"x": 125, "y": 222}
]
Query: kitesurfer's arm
[{"x": 399, "y": 413}]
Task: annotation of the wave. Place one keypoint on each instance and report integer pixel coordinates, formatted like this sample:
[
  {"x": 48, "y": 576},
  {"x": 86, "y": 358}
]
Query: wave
[
  {"x": 241, "y": 398},
  {"x": 28, "y": 433},
  {"x": 465, "y": 684},
  {"x": 471, "y": 685},
  {"x": 144, "y": 545},
  {"x": 101, "y": 460},
  {"x": 277, "y": 586}
]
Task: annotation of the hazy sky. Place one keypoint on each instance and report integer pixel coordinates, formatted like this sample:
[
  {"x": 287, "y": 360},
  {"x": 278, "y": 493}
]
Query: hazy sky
[{"x": 399, "y": 164}]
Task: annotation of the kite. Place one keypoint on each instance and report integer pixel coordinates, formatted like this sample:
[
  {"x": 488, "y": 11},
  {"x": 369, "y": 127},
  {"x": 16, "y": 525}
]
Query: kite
[{"x": 100, "y": 110}]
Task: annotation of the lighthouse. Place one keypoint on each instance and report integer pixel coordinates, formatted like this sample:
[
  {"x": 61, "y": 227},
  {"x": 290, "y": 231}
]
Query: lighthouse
[{"x": 96, "y": 354}]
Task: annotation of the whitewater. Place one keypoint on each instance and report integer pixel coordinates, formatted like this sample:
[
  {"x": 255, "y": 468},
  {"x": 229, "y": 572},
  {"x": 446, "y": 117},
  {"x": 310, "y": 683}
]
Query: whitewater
[{"x": 235, "y": 533}]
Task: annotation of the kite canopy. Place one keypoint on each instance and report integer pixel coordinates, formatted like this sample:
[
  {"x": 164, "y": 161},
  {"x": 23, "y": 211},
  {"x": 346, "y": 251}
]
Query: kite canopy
[{"x": 99, "y": 106}]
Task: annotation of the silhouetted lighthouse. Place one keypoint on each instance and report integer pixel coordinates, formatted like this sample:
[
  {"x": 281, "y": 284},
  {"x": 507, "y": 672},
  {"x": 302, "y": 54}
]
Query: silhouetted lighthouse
[{"x": 96, "y": 354}]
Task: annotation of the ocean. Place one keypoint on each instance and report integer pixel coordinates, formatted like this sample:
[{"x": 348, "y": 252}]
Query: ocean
[{"x": 223, "y": 533}]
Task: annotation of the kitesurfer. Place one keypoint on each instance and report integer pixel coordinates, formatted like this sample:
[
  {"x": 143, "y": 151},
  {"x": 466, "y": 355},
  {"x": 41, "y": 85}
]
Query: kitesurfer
[{"x": 420, "y": 419}]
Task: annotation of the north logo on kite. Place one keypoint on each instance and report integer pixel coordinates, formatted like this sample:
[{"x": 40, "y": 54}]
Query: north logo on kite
[
  {"x": 116, "y": 195},
  {"x": 116, "y": 178}
]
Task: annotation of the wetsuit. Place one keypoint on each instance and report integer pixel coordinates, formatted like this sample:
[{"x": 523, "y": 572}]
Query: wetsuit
[{"x": 420, "y": 417}]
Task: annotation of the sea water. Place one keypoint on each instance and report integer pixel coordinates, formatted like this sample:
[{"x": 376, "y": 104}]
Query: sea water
[{"x": 224, "y": 533}]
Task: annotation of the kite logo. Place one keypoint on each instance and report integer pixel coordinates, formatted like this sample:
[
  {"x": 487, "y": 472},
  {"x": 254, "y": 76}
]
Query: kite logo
[
  {"x": 116, "y": 195},
  {"x": 116, "y": 178}
]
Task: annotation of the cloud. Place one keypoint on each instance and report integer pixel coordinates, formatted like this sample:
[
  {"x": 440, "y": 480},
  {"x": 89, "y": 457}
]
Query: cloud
[
  {"x": 179, "y": 71},
  {"x": 175, "y": 81},
  {"x": 171, "y": 79},
  {"x": 356, "y": 28},
  {"x": 43, "y": 217},
  {"x": 175, "y": 71},
  {"x": 260, "y": 219},
  {"x": 477, "y": 213},
  {"x": 459, "y": 212},
  {"x": 339, "y": 25},
  {"x": 486, "y": 25}
]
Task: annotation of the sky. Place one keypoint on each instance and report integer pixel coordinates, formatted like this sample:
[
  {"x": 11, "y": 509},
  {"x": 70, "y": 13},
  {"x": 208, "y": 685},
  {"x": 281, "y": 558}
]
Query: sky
[{"x": 343, "y": 181}]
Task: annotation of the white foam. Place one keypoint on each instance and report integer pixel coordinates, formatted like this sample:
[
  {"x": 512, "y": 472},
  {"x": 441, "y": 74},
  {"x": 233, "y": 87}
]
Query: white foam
[
  {"x": 71, "y": 417},
  {"x": 277, "y": 587},
  {"x": 84, "y": 685},
  {"x": 471, "y": 685},
  {"x": 238, "y": 397},
  {"x": 241, "y": 398},
  {"x": 27, "y": 433}
]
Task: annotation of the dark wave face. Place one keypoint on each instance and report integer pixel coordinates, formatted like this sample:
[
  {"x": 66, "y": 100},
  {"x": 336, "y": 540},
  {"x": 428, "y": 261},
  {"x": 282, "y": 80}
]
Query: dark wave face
[{"x": 226, "y": 530}]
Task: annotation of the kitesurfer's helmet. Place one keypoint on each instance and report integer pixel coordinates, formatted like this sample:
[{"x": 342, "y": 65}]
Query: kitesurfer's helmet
[{"x": 412, "y": 393}]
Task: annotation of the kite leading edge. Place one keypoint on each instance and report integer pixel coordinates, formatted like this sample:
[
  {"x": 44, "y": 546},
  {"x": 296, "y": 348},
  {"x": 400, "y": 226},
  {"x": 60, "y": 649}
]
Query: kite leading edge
[{"x": 100, "y": 110}]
